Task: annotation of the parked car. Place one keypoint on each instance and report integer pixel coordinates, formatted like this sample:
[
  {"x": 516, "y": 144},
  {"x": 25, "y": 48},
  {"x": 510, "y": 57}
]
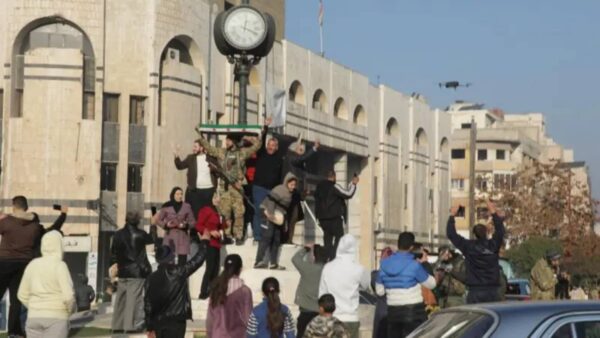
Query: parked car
[
  {"x": 558, "y": 319},
  {"x": 518, "y": 290}
]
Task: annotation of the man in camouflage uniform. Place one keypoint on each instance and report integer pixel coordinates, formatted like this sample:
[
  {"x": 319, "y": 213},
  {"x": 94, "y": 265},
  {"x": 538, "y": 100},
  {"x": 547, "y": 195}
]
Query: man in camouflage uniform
[
  {"x": 543, "y": 276},
  {"x": 232, "y": 165},
  {"x": 451, "y": 288}
]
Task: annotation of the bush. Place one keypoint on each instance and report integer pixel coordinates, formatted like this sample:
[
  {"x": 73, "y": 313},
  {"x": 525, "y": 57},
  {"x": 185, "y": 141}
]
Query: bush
[{"x": 524, "y": 255}]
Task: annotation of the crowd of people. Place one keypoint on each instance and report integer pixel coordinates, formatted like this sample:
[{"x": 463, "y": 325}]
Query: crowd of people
[{"x": 252, "y": 181}]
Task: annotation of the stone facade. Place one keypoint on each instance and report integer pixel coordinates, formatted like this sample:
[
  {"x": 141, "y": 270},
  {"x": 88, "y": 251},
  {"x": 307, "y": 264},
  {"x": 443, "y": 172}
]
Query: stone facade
[{"x": 96, "y": 94}]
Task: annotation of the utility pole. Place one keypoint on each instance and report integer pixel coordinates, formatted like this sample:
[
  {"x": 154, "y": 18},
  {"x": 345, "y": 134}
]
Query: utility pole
[{"x": 472, "y": 155}]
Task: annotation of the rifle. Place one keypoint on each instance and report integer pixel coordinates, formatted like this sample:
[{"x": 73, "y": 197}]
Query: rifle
[{"x": 229, "y": 182}]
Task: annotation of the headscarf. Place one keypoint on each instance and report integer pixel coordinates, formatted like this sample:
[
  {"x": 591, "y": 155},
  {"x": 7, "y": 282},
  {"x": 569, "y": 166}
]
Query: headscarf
[{"x": 172, "y": 203}]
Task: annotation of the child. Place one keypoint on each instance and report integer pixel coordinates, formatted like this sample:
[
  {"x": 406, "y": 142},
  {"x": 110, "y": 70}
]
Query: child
[
  {"x": 271, "y": 319},
  {"x": 326, "y": 325}
]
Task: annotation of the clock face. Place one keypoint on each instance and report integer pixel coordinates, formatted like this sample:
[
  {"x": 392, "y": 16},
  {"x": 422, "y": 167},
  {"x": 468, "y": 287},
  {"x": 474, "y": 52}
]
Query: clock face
[{"x": 245, "y": 28}]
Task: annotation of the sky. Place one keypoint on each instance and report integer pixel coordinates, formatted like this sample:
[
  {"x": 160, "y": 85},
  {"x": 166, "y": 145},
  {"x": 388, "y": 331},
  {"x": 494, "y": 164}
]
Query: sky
[{"x": 521, "y": 56}]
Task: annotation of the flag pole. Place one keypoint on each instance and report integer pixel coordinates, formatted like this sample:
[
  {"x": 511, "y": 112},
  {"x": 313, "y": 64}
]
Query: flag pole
[{"x": 321, "y": 15}]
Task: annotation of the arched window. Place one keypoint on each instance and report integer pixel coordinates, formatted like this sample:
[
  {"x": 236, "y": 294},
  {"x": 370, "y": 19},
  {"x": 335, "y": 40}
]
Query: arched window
[
  {"x": 360, "y": 116},
  {"x": 183, "y": 50},
  {"x": 339, "y": 109},
  {"x": 392, "y": 128},
  {"x": 444, "y": 149},
  {"x": 319, "y": 101},
  {"x": 421, "y": 141},
  {"x": 296, "y": 93},
  {"x": 53, "y": 33}
]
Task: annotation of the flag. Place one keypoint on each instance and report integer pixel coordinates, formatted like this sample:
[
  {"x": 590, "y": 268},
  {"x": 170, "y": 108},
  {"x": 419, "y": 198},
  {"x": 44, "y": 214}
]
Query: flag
[
  {"x": 276, "y": 105},
  {"x": 321, "y": 12}
]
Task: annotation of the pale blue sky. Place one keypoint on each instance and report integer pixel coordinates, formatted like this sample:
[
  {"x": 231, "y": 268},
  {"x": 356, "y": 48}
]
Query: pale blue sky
[{"x": 520, "y": 55}]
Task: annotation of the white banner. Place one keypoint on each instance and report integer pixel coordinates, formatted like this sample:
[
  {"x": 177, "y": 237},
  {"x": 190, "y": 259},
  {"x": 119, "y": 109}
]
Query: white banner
[{"x": 276, "y": 105}]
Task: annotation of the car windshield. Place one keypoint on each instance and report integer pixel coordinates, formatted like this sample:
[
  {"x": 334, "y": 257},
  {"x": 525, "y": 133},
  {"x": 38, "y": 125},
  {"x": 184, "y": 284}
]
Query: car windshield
[{"x": 455, "y": 324}]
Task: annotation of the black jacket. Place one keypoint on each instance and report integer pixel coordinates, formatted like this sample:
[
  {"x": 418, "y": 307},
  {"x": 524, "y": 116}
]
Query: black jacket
[
  {"x": 128, "y": 250},
  {"x": 167, "y": 294},
  {"x": 268, "y": 167},
  {"x": 330, "y": 199},
  {"x": 481, "y": 256}
]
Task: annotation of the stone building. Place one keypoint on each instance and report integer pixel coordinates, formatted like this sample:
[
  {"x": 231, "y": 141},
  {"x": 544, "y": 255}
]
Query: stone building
[
  {"x": 95, "y": 93},
  {"x": 505, "y": 144}
]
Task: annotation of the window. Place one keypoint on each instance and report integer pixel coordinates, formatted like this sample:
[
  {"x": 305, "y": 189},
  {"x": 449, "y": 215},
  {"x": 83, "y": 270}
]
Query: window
[
  {"x": 500, "y": 154},
  {"x": 583, "y": 329},
  {"x": 482, "y": 155},
  {"x": 110, "y": 108},
  {"x": 108, "y": 176},
  {"x": 89, "y": 83},
  {"x": 458, "y": 184},
  {"x": 136, "y": 110},
  {"x": 88, "y": 106},
  {"x": 481, "y": 183},
  {"x": 457, "y": 324},
  {"x": 1, "y": 103},
  {"x": 134, "y": 178},
  {"x": 465, "y": 126},
  {"x": 504, "y": 181},
  {"x": 458, "y": 154}
]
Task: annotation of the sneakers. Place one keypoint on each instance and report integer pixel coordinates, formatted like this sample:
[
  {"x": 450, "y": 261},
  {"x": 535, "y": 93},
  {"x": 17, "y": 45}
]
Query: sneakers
[
  {"x": 260, "y": 265},
  {"x": 227, "y": 241},
  {"x": 276, "y": 267},
  {"x": 239, "y": 242}
]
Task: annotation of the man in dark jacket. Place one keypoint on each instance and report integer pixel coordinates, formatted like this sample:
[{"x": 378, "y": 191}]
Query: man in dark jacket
[
  {"x": 20, "y": 232},
  {"x": 84, "y": 294},
  {"x": 330, "y": 201},
  {"x": 128, "y": 250},
  {"x": 295, "y": 163},
  {"x": 167, "y": 301},
  {"x": 201, "y": 181},
  {"x": 481, "y": 257},
  {"x": 269, "y": 162}
]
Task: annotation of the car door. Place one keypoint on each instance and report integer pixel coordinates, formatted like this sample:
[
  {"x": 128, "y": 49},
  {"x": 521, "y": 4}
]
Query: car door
[{"x": 571, "y": 325}]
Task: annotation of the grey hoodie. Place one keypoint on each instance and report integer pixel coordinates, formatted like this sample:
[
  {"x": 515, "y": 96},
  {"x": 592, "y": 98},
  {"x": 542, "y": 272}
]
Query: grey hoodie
[{"x": 280, "y": 197}]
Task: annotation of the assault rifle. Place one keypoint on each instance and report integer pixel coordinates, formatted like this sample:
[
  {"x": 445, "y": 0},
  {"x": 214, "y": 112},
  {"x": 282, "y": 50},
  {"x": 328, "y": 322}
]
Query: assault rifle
[{"x": 229, "y": 183}]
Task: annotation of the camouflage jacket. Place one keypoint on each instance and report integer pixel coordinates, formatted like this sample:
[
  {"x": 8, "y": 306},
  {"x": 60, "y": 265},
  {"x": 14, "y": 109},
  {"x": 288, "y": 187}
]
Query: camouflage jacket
[
  {"x": 542, "y": 281},
  {"x": 233, "y": 161},
  {"x": 326, "y": 327}
]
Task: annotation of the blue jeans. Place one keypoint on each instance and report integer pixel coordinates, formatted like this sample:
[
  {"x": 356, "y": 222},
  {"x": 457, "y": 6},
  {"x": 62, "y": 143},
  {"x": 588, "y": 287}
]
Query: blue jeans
[{"x": 258, "y": 194}]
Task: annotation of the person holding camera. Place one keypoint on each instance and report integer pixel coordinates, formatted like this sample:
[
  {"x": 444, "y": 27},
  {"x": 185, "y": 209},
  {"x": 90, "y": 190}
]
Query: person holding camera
[
  {"x": 330, "y": 201},
  {"x": 481, "y": 257}
]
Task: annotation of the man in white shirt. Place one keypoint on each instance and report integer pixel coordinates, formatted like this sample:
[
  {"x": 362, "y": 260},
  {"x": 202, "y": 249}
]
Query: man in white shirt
[{"x": 201, "y": 181}]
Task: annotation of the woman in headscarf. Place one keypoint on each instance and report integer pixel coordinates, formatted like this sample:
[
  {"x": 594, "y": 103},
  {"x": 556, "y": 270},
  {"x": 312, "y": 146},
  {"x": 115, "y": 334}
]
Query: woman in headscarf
[{"x": 176, "y": 217}]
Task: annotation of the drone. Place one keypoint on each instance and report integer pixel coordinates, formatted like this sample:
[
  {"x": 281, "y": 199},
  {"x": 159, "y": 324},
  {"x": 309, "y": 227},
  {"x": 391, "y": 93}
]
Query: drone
[{"x": 453, "y": 85}]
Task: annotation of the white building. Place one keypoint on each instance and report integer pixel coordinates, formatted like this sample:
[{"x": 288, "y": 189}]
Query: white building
[{"x": 94, "y": 93}]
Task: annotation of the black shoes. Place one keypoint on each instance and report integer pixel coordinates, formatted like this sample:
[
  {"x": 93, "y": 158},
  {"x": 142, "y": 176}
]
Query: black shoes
[{"x": 261, "y": 265}]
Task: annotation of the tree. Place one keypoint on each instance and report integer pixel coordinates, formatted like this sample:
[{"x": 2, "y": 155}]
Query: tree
[
  {"x": 526, "y": 254},
  {"x": 546, "y": 200}
]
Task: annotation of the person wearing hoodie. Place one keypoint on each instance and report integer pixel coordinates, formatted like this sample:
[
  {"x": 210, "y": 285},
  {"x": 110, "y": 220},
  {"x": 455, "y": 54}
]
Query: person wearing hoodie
[
  {"x": 325, "y": 324},
  {"x": 84, "y": 294},
  {"x": 481, "y": 257},
  {"x": 232, "y": 162},
  {"x": 230, "y": 302},
  {"x": 20, "y": 232},
  {"x": 167, "y": 301},
  {"x": 309, "y": 262},
  {"x": 46, "y": 291},
  {"x": 274, "y": 207},
  {"x": 271, "y": 319},
  {"x": 344, "y": 278},
  {"x": 128, "y": 250},
  {"x": 400, "y": 279}
]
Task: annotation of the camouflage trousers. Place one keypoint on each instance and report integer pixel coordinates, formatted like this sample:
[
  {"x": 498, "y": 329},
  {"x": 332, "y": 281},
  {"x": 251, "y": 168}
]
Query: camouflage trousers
[{"x": 232, "y": 202}]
